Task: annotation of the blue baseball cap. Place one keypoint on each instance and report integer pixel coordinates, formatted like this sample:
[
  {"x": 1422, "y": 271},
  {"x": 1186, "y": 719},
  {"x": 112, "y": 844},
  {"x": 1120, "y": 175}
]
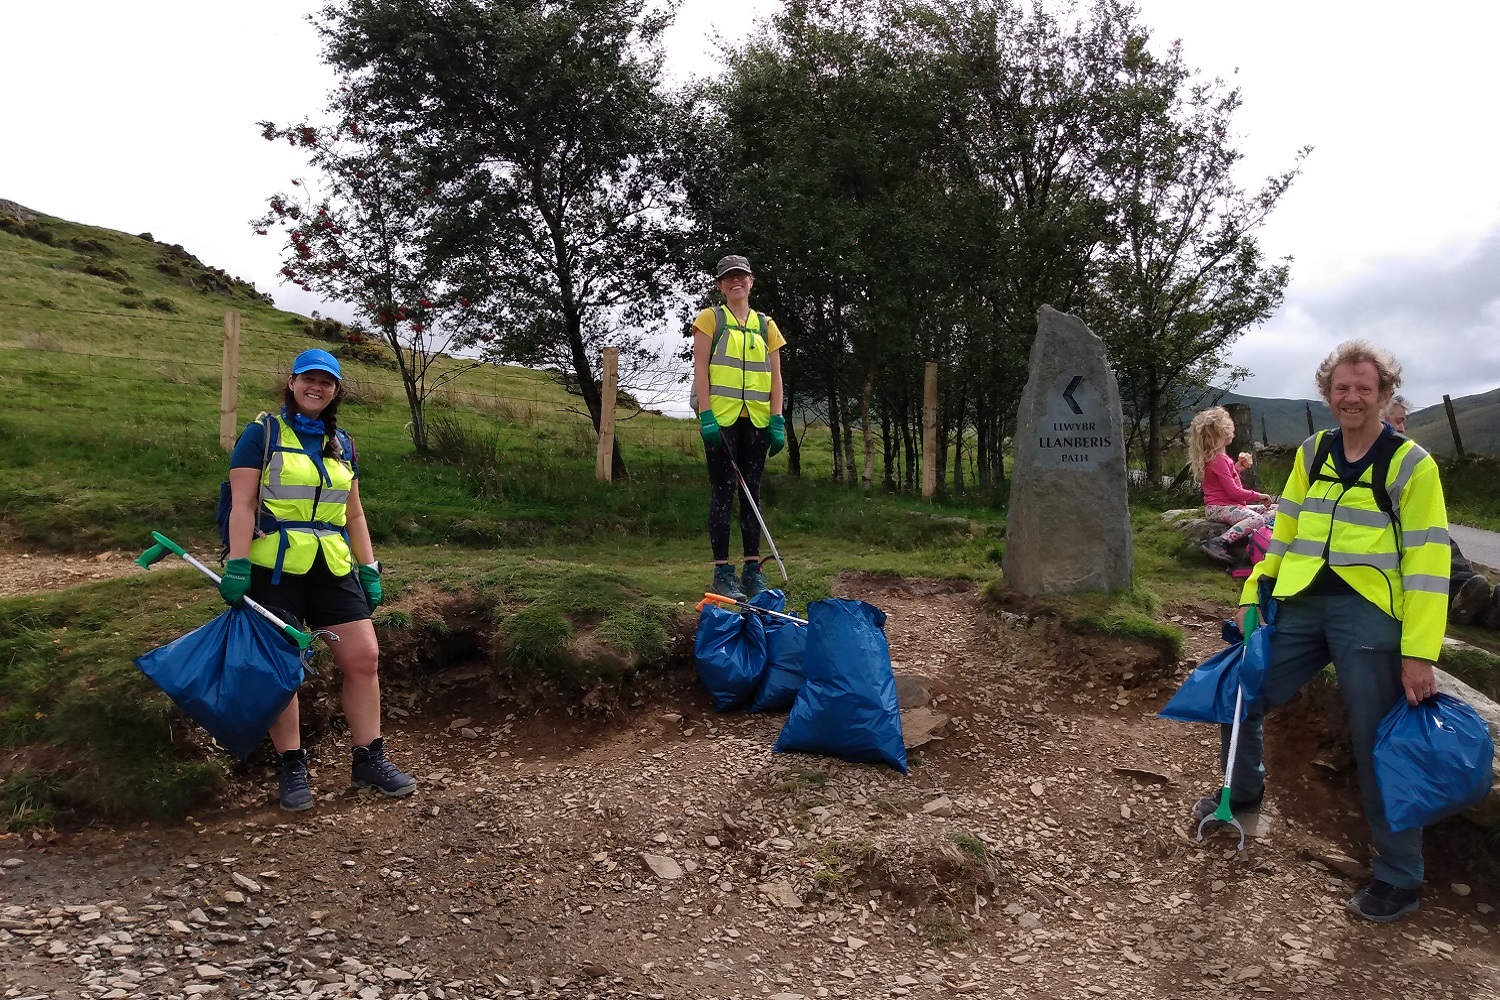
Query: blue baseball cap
[{"x": 317, "y": 360}]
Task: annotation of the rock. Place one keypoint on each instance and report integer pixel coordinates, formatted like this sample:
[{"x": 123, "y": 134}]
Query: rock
[
  {"x": 711, "y": 840},
  {"x": 1248, "y": 973},
  {"x": 208, "y": 972},
  {"x": 12, "y": 863},
  {"x": 1487, "y": 811},
  {"x": 1459, "y": 889},
  {"x": 1340, "y": 864},
  {"x": 593, "y": 970},
  {"x": 662, "y": 867},
  {"x": 940, "y": 806},
  {"x": 920, "y": 726},
  {"x": 781, "y": 893},
  {"x": 244, "y": 882},
  {"x": 1028, "y": 921},
  {"x": 231, "y": 896},
  {"x": 397, "y": 975},
  {"x": 1068, "y": 524},
  {"x": 911, "y": 692}
]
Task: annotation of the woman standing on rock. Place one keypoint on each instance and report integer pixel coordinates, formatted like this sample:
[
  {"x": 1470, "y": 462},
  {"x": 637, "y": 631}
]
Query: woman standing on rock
[
  {"x": 1359, "y": 563},
  {"x": 737, "y": 393},
  {"x": 1225, "y": 498},
  {"x": 299, "y": 544}
]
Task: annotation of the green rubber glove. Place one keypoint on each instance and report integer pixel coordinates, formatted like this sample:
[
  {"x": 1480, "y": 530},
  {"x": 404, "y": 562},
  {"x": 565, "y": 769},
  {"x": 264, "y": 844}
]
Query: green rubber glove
[
  {"x": 778, "y": 434},
  {"x": 369, "y": 581},
  {"x": 235, "y": 583},
  {"x": 709, "y": 427}
]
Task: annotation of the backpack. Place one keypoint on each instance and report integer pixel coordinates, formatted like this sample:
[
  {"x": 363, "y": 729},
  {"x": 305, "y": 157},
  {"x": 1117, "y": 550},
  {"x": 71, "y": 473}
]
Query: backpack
[
  {"x": 1385, "y": 449},
  {"x": 1256, "y": 547},
  {"x": 720, "y": 325}
]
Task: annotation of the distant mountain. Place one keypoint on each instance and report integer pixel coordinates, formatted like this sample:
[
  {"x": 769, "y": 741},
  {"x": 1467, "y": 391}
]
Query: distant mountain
[
  {"x": 1478, "y": 425},
  {"x": 1274, "y": 421},
  {"x": 1286, "y": 420}
]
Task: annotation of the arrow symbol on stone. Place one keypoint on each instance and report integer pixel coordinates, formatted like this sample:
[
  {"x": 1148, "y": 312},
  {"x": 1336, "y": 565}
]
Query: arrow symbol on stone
[{"x": 1068, "y": 394}]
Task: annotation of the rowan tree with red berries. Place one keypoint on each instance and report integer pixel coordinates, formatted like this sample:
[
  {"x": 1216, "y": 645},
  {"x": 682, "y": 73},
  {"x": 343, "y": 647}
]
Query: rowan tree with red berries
[{"x": 360, "y": 233}]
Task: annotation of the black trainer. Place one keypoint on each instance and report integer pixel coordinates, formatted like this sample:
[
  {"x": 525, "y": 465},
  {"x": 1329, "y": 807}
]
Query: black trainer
[
  {"x": 373, "y": 770},
  {"x": 291, "y": 775},
  {"x": 1471, "y": 601},
  {"x": 1209, "y": 804},
  {"x": 1216, "y": 550},
  {"x": 1382, "y": 902}
]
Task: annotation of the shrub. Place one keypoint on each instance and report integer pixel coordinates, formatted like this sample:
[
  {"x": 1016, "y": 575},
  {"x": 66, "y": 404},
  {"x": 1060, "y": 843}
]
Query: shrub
[
  {"x": 170, "y": 269},
  {"x": 118, "y": 275},
  {"x": 132, "y": 291},
  {"x": 26, "y": 229},
  {"x": 369, "y": 353},
  {"x": 163, "y": 304}
]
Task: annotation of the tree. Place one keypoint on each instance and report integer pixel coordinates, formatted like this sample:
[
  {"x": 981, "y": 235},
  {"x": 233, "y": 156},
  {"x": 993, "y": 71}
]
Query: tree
[
  {"x": 1183, "y": 279},
  {"x": 539, "y": 125},
  {"x": 362, "y": 238}
]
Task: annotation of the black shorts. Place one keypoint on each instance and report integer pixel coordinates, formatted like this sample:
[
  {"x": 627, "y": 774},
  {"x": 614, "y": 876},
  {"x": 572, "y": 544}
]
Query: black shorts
[{"x": 316, "y": 599}]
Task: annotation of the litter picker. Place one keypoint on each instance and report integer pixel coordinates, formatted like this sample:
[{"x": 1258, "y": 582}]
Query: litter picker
[
  {"x": 745, "y": 487},
  {"x": 165, "y": 545},
  {"x": 721, "y": 599},
  {"x": 1223, "y": 814}
]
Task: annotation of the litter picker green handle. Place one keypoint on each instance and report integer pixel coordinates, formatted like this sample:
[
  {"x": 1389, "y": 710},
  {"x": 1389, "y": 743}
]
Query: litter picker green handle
[
  {"x": 1224, "y": 814},
  {"x": 165, "y": 546}
]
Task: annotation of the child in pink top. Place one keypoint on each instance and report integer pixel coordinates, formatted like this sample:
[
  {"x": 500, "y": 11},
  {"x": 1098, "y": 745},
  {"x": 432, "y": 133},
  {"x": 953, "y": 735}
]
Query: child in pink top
[{"x": 1225, "y": 498}]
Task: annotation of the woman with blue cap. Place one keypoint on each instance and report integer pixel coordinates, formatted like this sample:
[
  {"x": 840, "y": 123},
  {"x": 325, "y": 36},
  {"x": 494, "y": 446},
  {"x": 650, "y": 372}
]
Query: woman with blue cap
[{"x": 299, "y": 544}]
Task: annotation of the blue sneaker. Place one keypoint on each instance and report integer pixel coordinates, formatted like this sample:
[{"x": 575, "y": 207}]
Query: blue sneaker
[
  {"x": 291, "y": 775},
  {"x": 752, "y": 579},
  {"x": 725, "y": 584},
  {"x": 373, "y": 770}
]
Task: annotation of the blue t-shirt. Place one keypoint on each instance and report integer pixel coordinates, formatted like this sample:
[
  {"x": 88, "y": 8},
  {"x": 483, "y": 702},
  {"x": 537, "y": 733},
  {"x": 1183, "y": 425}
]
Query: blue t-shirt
[{"x": 250, "y": 449}]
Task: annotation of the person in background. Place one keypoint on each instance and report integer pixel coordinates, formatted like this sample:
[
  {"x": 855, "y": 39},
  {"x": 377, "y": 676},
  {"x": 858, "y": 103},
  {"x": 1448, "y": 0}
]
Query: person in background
[
  {"x": 1471, "y": 598},
  {"x": 737, "y": 393},
  {"x": 1225, "y": 498},
  {"x": 299, "y": 544},
  {"x": 1353, "y": 589}
]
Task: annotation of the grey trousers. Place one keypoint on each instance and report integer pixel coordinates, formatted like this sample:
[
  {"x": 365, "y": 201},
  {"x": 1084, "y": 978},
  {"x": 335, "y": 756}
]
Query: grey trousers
[{"x": 1364, "y": 644}]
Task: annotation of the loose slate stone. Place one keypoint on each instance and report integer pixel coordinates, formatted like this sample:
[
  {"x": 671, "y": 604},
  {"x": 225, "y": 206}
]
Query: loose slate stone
[
  {"x": 1068, "y": 527},
  {"x": 662, "y": 867}
]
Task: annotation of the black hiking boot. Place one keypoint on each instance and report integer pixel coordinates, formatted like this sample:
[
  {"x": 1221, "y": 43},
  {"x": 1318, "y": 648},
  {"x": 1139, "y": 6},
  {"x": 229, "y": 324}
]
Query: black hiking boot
[
  {"x": 1216, "y": 550},
  {"x": 1382, "y": 902},
  {"x": 752, "y": 579},
  {"x": 373, "y": 770},
  {"x": 291, "y": 775},
  {"x": 725, "y": 584},
  {"x": 1471, "y": 601},
  {"x": 1489, "y": 617}
]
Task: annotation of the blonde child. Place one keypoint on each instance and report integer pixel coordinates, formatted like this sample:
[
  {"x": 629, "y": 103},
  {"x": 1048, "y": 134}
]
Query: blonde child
[{"x": 1225, "y": 498}]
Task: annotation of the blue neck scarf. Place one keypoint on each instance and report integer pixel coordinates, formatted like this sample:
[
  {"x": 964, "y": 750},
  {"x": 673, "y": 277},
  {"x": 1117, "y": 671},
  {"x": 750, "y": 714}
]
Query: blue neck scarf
[{"x": 303, "y": 424}]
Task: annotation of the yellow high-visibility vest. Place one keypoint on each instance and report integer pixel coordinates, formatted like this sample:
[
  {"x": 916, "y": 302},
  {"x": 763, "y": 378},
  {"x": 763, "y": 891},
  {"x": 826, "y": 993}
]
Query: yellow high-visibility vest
[
  {"x": 739, "y": 369},
  {"x": 311, "y": 508},
  {"x": 1400, "y": 564}
]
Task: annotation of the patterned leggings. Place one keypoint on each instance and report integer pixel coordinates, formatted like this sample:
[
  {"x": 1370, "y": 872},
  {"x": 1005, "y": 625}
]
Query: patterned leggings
[
  {"x": 748, "y": 444},
  {"x": 1242, "y": 520}
]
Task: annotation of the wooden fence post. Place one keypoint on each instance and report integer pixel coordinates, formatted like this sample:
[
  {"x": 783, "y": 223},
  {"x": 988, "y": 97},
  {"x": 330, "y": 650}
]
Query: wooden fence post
[
  {"x": 1311, "y": 430},
  {"x": 1244, "y": 434},
  {"x": 1458, "y": 444},
  {"x": 604, "y": 458},
  {"x": 229, "y": 382},
  {"x": 929, "y": 432}
]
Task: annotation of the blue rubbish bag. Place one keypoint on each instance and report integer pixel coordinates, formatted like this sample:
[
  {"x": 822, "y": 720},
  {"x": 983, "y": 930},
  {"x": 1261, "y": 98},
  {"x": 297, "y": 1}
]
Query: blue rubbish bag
[
  {"x": 1432, "y": 761},
  {"x": 1208, "y": 693},
  {"x": 731, "y": 652},
  {"x": 785, "y": 644},
  {"x": 233, "y": 676},
  {"x": 847, "y": 707}
]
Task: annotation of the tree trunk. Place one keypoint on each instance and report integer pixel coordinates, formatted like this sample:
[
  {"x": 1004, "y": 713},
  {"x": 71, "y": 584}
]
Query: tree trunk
[
  {"x": 864, "y": 414},
  {"x": 888, "y": 450},
  {"x": 793, "y": 445}
]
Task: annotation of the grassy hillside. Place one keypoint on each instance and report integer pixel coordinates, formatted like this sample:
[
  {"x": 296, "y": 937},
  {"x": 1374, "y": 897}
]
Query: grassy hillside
[{"x": 1478, "y": 425}]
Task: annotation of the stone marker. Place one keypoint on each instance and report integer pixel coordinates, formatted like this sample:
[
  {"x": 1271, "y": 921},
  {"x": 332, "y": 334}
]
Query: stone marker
[{"x": 1068, "y": 527}]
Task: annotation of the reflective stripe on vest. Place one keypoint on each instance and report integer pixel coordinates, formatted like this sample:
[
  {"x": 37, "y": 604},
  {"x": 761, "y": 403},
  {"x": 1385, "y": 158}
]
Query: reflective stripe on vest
[
  {"x": 310, "y": 511},
  {"x": 739, "y": 370}
]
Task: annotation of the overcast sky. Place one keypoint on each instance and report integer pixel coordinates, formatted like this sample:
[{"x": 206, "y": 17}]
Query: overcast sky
[{"x": 142, "y": 117}]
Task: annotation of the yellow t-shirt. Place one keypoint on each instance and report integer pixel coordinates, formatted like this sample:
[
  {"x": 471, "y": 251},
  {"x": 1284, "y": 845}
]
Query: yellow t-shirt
[{"x": 704, "y": 324}]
